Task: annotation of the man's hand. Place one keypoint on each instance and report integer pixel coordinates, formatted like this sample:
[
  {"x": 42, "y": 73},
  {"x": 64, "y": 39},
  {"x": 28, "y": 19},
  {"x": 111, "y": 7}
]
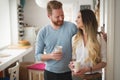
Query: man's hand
[{"x": 56, "y": 55}]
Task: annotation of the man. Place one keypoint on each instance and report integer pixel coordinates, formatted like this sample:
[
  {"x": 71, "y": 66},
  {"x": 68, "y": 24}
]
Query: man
[{"x": 57, "y": 33}]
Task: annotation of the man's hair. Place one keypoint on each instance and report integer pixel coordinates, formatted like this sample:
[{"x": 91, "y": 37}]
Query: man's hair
[{"x": 53, "y": 4}]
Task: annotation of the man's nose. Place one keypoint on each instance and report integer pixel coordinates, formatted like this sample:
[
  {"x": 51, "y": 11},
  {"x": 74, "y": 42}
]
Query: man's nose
[{"x": 61, "y": 18}]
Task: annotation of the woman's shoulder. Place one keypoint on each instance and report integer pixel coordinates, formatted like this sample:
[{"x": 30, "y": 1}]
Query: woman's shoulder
[{"x": 73, "y": 37}]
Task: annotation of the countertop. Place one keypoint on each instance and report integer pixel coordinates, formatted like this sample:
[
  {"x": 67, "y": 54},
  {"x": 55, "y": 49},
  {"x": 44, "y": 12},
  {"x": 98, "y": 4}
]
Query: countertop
[{"x": 11, "y": 55}]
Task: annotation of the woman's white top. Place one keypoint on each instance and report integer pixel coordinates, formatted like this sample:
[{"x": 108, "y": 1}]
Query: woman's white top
[{"x": 81, "y": 53}]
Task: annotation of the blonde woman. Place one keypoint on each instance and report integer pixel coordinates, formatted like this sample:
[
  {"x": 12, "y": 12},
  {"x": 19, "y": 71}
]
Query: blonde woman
[{"x": 89, "y": 48}]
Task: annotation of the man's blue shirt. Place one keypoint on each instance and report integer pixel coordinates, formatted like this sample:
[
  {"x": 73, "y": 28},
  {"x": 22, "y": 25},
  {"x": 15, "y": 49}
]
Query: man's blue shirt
[{"x": 48, "y": 38}]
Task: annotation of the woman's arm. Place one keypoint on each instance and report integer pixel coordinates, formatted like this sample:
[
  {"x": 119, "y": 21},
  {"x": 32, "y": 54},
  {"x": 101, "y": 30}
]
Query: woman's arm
[{"x": 82, "y": 71}]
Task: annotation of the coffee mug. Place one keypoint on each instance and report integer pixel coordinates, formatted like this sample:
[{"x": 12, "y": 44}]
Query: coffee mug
[
  {"x": 76, "y": 66},
  {"x": 58, "y": 49}
]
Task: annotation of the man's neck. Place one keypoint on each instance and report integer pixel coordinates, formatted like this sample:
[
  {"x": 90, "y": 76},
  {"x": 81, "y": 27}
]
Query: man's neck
[{"x": 55, "y": 27}]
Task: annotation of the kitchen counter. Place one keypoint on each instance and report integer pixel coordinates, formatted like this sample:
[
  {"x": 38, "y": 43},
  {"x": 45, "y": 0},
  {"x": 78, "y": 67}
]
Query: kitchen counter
[{"x": 11, "y": 55}]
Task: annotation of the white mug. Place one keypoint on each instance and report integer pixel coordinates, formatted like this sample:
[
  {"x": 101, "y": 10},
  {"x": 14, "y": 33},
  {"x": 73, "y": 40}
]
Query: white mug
[
  {"x": 76, "y": 66},
  {"x": 58, "y": 49}
]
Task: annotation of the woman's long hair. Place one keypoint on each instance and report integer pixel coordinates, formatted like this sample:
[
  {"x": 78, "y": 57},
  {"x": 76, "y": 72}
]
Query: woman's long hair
[{"x": 91, "y": 27}]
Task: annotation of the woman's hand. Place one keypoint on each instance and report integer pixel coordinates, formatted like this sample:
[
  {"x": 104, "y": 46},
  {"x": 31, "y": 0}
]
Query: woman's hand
[
  {"x": 82, "y": 71},
  {"x": 104, "y": 36},
  {"x": 71, "y": 66}
]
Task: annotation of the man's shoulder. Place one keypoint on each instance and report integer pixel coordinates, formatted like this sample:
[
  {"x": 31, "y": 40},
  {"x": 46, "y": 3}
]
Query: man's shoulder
[
  {"x": 69, "y": 23},
  {"x": 43, "y": 29}
]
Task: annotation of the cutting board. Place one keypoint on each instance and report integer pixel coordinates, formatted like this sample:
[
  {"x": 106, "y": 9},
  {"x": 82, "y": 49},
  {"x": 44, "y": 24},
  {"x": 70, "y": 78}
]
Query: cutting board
[{"x": 18, "y": 47}]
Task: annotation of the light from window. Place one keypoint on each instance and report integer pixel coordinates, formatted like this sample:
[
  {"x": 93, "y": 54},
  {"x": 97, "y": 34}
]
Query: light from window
[{"x": 4, "y": 23}]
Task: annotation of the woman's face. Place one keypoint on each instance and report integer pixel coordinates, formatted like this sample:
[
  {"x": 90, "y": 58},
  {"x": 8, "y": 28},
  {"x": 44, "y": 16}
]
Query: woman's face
[{"x": 79, "y": 21}]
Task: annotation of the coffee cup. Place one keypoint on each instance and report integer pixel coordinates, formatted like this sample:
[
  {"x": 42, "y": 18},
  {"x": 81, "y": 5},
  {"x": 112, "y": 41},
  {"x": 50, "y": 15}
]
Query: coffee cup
[
  {"x": 58, "y": 49},
  {"x": 76, "y": 66}
]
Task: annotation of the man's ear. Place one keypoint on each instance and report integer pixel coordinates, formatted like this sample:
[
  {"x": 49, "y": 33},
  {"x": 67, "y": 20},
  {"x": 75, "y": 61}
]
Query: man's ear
[{"x": 48, "y": 15}]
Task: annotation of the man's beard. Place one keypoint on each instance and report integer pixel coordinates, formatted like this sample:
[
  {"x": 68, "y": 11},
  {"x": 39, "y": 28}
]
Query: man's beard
[{"x": 57, "y": 23}]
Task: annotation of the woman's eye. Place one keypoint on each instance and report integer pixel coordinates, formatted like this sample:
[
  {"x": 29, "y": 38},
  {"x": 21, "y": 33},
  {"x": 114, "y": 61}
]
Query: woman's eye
[{"x": 78, "y": 16}]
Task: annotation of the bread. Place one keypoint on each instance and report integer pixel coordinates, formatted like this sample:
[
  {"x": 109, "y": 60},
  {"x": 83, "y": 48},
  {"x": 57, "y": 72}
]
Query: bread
[{"x": 24, "y": 43}]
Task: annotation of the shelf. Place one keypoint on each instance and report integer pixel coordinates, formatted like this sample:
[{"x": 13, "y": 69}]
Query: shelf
[{"x": 20, "y": 22}]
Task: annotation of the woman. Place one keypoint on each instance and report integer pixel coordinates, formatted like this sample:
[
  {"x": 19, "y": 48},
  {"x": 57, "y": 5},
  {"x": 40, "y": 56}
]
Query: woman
[{"x": 89, "y": 47}]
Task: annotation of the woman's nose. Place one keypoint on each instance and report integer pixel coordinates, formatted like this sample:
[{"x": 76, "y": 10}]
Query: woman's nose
[{"x": 76, "y": 20}]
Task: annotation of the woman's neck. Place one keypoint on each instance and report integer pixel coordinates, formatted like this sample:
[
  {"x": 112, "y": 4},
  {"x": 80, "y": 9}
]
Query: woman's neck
[{"x": 85, "y": 38}]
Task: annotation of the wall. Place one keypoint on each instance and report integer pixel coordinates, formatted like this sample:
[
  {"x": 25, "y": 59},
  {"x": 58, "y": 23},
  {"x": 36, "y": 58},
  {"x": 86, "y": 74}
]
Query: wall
[
  {"x": 86, "y": 2},
  {"x": 117, "y": 41},
  {"x": 109, "y": 22},
  {"x": 34, "y": 15},
  {"x": 113, "y": 55},
  {"x": 76, "y": 7}
]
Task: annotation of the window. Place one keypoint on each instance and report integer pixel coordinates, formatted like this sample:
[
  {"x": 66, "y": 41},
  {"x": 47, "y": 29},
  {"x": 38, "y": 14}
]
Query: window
[{"x": 4, "y": 23}]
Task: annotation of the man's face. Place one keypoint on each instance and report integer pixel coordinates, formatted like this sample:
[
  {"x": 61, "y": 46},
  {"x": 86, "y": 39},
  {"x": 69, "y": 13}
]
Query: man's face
[{"x": 57, "y": 17}]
